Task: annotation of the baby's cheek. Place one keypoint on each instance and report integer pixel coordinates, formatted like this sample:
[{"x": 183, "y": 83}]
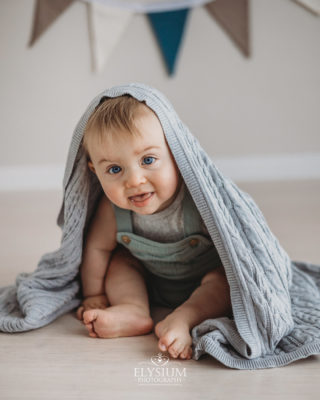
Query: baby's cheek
[
  {"x": 172, "y": 179},
  {"x": 119, "y": 198},
  {"x": 110, "y": 193}
]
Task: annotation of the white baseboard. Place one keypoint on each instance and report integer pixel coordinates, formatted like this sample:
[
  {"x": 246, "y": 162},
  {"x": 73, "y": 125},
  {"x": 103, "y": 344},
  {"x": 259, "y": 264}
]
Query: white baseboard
[{"x": 272, "y": 167}]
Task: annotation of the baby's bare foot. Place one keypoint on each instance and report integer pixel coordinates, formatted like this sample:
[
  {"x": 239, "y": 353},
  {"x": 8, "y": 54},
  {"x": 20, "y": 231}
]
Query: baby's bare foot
[
  {"x": 117, "y": 321},
  {"x": 174, "y": 336},
  {"x": 91, "y": 303}
]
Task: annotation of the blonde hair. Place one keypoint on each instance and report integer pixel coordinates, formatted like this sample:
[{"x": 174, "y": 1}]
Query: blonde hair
[{"x": 112, "y": 115}]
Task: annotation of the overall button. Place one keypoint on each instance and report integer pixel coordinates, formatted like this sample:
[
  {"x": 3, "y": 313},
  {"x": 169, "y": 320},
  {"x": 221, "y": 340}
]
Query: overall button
[
  {"x": 126, "y": 239},
  {"x": 194, "y": 242}
]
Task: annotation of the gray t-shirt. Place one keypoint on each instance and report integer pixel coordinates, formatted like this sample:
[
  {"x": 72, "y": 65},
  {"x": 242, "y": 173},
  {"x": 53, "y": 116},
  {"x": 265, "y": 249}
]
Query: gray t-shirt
[{"x": 164, "y": 226}]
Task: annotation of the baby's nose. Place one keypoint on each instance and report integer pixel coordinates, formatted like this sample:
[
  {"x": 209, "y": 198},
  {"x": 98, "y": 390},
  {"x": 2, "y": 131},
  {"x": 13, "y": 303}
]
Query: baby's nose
[{"x": 135, "y": 178}]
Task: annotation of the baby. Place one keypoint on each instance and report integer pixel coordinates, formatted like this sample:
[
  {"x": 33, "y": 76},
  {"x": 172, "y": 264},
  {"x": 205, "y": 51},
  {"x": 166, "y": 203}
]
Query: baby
[{"x": 146, "y": 240}]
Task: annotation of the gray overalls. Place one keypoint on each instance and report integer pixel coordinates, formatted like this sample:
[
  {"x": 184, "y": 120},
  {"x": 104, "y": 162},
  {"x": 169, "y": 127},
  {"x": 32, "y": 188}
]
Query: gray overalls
[{"x": 174, "y": 270}]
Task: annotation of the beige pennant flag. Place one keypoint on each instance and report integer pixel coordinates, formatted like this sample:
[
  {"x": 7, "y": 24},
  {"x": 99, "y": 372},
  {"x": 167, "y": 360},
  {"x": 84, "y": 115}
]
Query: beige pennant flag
[
  {"x": 45, "y": 13},
  {"x": 310, "y": 5},
  {"x": 106, "y": 26},
  {"x": 233, "y": 17}
]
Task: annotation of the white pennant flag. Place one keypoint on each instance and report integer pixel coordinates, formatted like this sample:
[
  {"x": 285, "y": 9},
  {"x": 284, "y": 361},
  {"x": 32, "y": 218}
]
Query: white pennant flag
[
  {"x": 311, "y": 5},
  {"x": 106, "y": 26}
]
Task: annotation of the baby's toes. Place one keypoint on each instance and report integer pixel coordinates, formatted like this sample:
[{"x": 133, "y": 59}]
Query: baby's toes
[
  {"x": 89, "y": 316},
  {"x": 80, "y": 312},
  {"x": 162, "y": 345},
  {"x": 176, "y": 348},
  {"x": 90, "y": 328},
  {"x": 165, "y": 341},
  {"x": 186, "y": 353}
]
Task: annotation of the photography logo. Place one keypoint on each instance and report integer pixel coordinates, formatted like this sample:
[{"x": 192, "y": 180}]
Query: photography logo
[{"x": 160, "y": 370}]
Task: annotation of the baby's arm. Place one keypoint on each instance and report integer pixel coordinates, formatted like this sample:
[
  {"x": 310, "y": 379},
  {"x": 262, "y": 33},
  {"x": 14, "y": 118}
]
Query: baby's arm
[{"x": 100, "y": 242}]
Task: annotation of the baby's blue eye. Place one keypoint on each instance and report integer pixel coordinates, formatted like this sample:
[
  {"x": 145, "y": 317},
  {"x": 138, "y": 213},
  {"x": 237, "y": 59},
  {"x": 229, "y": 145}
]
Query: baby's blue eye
[
  {"x": 148, "y": 160},
  {"x": 114, "y": 170}
]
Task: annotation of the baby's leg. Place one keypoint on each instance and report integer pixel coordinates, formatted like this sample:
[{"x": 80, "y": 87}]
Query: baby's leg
[
  {"x": 210, "y": 300},
  {"x": 129, "y": 312}
]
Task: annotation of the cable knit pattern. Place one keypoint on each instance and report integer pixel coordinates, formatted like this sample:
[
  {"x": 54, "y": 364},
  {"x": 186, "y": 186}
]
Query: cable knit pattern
[{"x": 275, "y": 301}]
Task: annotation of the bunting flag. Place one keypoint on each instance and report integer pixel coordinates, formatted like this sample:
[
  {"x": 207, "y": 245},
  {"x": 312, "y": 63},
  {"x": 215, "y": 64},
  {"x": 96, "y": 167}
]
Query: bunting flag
[
  {"x": 106, "y": 26},
  {"x": 108, "y": 20},
  {"x": 311, "y": 5},
  {"x": 233, "y": 17},
  {"x": 45, "y": 13},
  {"x": 168, "y": 28}
]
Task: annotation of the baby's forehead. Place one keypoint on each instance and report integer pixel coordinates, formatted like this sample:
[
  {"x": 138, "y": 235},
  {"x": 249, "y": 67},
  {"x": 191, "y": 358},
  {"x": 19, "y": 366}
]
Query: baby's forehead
[
  {"x": 146, "y": 129},
  {"x": 118, "y": 143},
  {"x": 137, "y": 141}
]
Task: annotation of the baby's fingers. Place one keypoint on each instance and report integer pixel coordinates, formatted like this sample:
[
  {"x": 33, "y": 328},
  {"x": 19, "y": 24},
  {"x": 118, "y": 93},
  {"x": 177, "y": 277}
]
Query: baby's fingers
[{"x": 101, "y": 306}]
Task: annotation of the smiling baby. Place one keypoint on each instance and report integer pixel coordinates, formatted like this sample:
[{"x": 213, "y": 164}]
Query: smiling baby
[{"x": 147, "y": 241}]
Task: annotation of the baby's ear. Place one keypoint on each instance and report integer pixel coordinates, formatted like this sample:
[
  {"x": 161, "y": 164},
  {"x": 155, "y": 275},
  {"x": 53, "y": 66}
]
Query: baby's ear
[{"x": 91, "y": 167}]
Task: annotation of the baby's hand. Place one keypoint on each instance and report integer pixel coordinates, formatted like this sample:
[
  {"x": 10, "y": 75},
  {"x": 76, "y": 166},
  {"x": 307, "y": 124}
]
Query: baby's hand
[{"x": 92, "y": 302}]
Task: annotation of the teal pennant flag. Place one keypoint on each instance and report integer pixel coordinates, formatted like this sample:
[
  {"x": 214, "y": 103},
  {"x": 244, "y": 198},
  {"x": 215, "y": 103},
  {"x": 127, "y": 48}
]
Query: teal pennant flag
[{"x": 168, "y": 28}]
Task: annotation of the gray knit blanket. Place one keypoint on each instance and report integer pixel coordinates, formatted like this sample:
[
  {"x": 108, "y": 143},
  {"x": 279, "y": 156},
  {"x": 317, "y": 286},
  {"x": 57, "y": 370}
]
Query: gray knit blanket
[{"x": 275, "y": 301}]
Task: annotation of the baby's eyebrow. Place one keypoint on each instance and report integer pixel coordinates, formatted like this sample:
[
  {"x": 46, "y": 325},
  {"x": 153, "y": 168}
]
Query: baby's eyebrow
[
  {"x": 136, "y": 153},
  {"x": 147, "y": 148},
  {"x": 103, "y": 160}
]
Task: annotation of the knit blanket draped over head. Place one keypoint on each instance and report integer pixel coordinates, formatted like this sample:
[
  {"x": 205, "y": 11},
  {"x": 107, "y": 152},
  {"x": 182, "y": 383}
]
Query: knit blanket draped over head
[{"x": 275, "y": 301}]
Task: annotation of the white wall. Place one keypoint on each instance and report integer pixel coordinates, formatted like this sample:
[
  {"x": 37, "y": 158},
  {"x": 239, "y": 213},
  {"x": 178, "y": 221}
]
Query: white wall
[{"x": 265, "y": 107}]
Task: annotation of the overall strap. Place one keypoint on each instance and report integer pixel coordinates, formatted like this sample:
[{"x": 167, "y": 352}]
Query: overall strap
[{"x": 123, "y": 218}]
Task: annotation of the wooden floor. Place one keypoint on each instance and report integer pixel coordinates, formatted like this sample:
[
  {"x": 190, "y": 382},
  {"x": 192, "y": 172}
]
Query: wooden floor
[{"x": 60, "y": 361}]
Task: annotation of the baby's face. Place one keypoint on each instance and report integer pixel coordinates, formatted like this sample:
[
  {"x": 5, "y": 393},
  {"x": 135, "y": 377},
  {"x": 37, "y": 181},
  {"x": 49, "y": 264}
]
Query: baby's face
[{"x": 137, "y": 173}]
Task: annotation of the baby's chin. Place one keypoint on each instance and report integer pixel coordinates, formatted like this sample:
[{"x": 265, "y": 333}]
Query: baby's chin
[{"x": 144, "y": 210}]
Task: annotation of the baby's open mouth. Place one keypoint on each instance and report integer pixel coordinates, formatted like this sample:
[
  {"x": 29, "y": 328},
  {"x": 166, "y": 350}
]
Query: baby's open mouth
[{"x": 141, "y": 197}]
